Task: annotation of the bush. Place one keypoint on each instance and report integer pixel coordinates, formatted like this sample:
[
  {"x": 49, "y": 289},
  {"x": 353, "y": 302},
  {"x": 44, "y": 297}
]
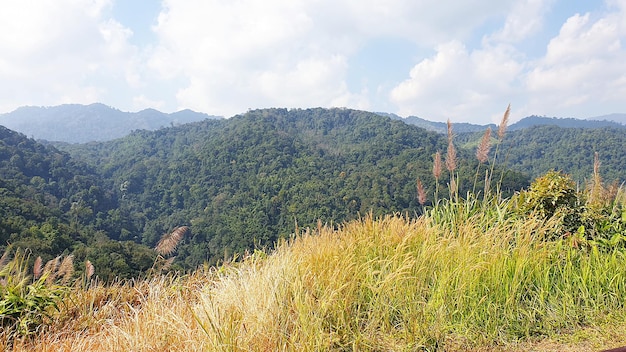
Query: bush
[
  {"x": 25, "y": 302},
  {"x": 553, "y": 194}
]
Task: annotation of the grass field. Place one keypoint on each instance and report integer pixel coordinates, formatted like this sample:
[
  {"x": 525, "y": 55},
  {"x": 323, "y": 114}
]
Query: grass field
[{"x": 465, "y": 276}]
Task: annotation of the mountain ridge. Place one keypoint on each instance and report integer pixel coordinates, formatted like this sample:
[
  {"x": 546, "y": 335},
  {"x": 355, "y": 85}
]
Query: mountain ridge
[{"x": 76, "y": 123}]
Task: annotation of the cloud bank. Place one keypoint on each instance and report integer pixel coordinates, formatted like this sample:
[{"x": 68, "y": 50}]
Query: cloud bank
[{"x": 468, "y": 60}]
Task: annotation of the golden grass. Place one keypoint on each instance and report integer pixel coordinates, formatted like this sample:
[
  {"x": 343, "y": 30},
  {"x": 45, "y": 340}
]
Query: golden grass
[{"x": 390, "y": 284}]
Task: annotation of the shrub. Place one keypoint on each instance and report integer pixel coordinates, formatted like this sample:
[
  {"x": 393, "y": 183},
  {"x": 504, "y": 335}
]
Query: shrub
[
  {"x": 553, "y": 194},
  {"x": 25, "y": 302}
]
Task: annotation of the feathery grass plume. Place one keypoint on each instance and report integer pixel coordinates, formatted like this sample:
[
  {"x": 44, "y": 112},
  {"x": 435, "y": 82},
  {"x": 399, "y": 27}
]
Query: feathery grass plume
[
  {"x": 66, "y": 269},
  {"x": 38, "y": 268},
  {"x": 421, "y": 192},
  {"x": 501, "y": 131},
  {"x": 89, "y": 269},
  {"x": 451, "y": 160},
  {"x": 597, "y": 180},
  {"x": 51, "y": 269},
  {"x": 451, "y": 157},
  {"x": 503, "y": 123},
  {"x": 437, "y": 168},
  {"x": 451, "y": 154},
  {"x": 168, "y": 242},
  {"x": 482, "y": 152},
  {"x": 168, "y": 263},
  {"x": 5, "y": 258}
]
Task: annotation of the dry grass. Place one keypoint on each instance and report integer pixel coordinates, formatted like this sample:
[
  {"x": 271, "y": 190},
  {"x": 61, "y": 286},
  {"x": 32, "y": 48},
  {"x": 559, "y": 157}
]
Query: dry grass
[{"x": 390, "y": 284}]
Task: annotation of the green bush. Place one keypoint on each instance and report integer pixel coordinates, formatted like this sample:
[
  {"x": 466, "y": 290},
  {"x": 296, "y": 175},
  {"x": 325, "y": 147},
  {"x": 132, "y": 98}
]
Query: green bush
[
  {"x": 553, "y": 194},
  {"x": 25, "y": 302}
]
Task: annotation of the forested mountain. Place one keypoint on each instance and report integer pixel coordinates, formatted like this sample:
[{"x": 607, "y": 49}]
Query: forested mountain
[
  {"x": 439, "y": 127},
  {"x": 614, "y": 121},
  {"x": 73, "y": 123},
  {"x": 53, "y": 204},
  {"x": 538, "y": 149},
  {"x": 250, "y": 179},
  {"x": 621, "y": 118},
  {"x": 532, "y": 121},
  {"x": 247, "y": 181}
]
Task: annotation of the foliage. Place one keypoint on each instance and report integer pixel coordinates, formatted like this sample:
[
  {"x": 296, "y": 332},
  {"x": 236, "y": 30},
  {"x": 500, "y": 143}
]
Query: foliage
[
  {"x": 550, "y": 193},
  {"x": 24, "y": 301},
  {"x": 591, "y": 217},
  {"x": 537, "y": 150},
  {"x": 245, "y": 182}
]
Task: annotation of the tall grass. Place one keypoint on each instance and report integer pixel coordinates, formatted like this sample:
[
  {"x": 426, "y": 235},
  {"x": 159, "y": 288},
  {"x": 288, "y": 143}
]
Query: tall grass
[{"x": 390, "y": 284}]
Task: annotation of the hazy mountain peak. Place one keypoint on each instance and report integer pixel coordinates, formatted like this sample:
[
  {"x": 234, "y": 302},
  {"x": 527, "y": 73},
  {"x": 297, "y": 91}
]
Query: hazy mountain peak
[{"x": 76, "y": 123}]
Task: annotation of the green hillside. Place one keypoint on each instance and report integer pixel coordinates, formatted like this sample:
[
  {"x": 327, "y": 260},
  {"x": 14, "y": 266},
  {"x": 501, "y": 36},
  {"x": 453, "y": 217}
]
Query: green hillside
[
  {"x": 538, "y": 149},
  {"x": 251, "y": 179}
]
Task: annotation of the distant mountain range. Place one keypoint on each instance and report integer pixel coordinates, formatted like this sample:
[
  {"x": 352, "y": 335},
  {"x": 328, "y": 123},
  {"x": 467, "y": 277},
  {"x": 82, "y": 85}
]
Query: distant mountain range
[
  {"x": 74, "y": 123},
  {"x": 614, "y": 120}
]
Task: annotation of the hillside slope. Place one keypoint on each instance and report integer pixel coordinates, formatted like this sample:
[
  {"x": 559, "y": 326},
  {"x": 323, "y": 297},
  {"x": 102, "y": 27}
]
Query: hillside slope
[
  {"x": 250, "y": 179},
  {"x": 537, "y": 150}
]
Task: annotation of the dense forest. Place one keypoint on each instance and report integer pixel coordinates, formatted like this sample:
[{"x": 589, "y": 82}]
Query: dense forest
[
  {"x": 241, "y": 183},
  {"x": 540, "y": 148}
]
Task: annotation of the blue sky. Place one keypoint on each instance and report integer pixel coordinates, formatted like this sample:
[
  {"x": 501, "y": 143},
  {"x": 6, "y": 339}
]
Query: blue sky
[{"x": 439, "y": 60}]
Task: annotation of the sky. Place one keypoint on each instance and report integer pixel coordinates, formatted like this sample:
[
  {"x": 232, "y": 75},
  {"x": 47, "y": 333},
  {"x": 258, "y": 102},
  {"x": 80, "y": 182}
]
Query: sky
[{"x": 439, "y": 60}]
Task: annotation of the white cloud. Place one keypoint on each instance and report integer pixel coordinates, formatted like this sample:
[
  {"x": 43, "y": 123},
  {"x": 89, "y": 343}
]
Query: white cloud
[
  {"x": 524, "y": 19},
  {"x": 582, "y": 74},
  {"x": 460, "y": 85},
  {"x": 240, "y": 54},
  {"x": 584, "y": 70},
  {"x": 62, "y": 51},
  {"x": 223, "y": 57}
]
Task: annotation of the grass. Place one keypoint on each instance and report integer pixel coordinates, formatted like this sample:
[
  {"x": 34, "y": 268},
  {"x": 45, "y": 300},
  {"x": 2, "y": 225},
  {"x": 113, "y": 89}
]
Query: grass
[{"x": 461, "y": 277}]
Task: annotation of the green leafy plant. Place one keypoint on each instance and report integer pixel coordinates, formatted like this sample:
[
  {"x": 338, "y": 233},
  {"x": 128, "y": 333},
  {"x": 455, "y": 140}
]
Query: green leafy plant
[
  {"x": 26, "y": 302},
  {"x": 553, "y": 194}
]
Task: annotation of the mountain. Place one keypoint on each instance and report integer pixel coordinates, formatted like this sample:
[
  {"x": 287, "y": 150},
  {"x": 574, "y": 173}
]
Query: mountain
[
  {"x": 251, "y": 179},
  {"x": 439, "y": 127},
  {"x": 621, "y": 118},
  {"x": 75, "y": 123},
  {"x": 51, "y": 203},
  {"x": 614, "y": 120},
  {"x": 539, "y": 149},
  {"x": 531, "y": 121}
]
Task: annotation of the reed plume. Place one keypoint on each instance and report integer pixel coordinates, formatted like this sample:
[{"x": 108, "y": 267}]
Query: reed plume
[
  {"x": 38, "y": 268},
  {"x": 66, "y": 269},
  {"x": 421, "y": 192},
  {"x": 89, "y": 269},
  {"x": 168, "y": 242},
  {"x": 503, "y": 123},
  {"x": 437, "y": 168},
  {"x": 51, "y": 269},
  {"x": 482, "y": 152},
  {"x": 451, "y": 158},
  {"x": 501, "y": 131}
]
